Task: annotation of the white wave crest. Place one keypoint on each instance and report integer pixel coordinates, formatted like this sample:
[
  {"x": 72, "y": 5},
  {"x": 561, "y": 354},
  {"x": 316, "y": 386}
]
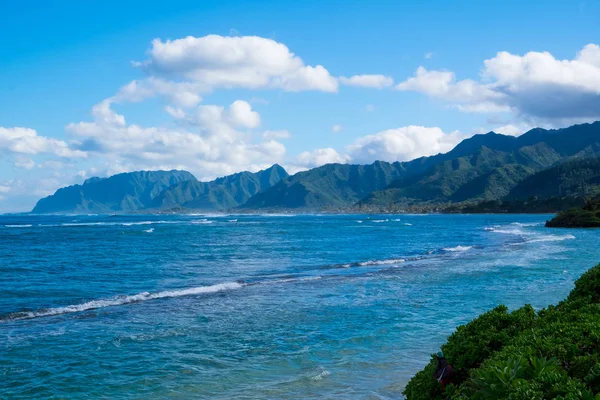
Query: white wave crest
[
  {"x": 457, "y": 248},
  {"x": 202, "y": 222},
  {"x": 523, "y": 224},
  {"x": 19, "y": 226},
  {"x": 380, "y": 220},
  {"x": 135, "y": 223},
  {"x": 551, "y": 238},
  {"x": 320, "y": 376},
  {"x": 509, "y": 231},
  {"x": 149, "y": 230},
  {"x": 382, "y": 262},
  {"x": 121, "y": 300}
]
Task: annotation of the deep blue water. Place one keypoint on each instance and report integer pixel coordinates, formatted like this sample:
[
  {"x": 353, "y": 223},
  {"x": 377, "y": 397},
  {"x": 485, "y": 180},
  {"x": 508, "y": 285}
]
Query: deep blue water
[{"x": 335, "y": 306}]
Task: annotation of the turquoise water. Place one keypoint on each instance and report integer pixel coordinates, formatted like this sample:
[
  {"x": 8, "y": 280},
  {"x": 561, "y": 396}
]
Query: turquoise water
[{"x": 246, "y": 307}]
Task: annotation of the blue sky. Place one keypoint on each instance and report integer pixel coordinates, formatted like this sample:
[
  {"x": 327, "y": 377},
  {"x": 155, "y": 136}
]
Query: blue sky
[{"x": 246, "y": 90}]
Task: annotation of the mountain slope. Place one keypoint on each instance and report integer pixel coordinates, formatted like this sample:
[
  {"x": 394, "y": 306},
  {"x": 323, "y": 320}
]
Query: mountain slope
[
  {"x": 120, "y": 193},
  {"x": 579, "y": 177},
  {"x": 220, "y": 194},
  {"x": 490, "y": 174},
  {"x": 332, "y": 185}
]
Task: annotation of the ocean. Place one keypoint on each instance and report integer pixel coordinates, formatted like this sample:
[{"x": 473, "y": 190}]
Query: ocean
[{"x": 259, "y": 306}]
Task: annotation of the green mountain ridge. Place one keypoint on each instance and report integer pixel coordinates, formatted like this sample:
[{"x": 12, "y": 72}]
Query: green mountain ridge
[
  {"x": 124, "y": 192},
  {"x": 220, "y": 194},
  {"x": 484, "y": 168},
  {"x": 332, "y": 185},
  {"x": 158, "y": 190}
]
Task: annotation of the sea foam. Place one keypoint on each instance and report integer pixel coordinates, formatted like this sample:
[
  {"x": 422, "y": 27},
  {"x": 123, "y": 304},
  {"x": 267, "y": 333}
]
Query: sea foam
[
  {"x": 457, "y": 248},
  {"x": 121, "y": 300},
  {"x": 382, "y": 262}
]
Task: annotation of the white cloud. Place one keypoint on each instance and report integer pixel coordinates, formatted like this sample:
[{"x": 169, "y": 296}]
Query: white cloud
[
  {"x": 403, "y": 144},
  {"x": 468, "y": 94},
  {"x": 428, "y": 55},
  {"x": 513, "y": 130},
  {"x": 336, "y": 128},
  {"x": 536, "y": 86},
  {"x": 4, "y": 189},
  {"x": 208, "y": 143},
  {"x": 241, "y": 114},
  {"x": 319, "y": 157},
  {"x": 230, "y": 61},
  {"x": 24, "y": 162},
  {"x": 26, "y": 141},
  {"x": 371, "y": 81},
  {"x": 281, "y": 134},
  {"x": 181, "y": 94}
]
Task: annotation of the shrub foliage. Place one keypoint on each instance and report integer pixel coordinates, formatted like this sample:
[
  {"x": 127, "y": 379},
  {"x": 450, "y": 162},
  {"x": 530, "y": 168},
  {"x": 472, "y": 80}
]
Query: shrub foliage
[{"x": 524, "y": 355}]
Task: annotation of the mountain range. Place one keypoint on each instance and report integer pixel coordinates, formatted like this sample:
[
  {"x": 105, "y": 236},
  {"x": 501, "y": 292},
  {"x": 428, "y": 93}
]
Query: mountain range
[{"x": 540, "y": 163}]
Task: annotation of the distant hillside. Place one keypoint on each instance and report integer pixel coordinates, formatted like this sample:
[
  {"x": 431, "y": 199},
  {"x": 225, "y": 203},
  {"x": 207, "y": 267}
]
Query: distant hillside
[
  {"x": 159, "y": 191},
  {"x": 484, "y": 168},
  {"x": 587, "y": 216},
  {"x": 120, "y": 193},
  {"x": 332, "y": 185},
  {"x": 484, "y": 175},
  {"x": 491, "y": 173},
  {"x": 220, "y": 194},
  {"x": 579, "y": 177}
]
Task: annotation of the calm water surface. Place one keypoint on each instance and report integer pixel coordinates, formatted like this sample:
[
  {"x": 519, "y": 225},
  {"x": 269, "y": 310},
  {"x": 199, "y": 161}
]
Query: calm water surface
[{"x": 248, "y": 307}]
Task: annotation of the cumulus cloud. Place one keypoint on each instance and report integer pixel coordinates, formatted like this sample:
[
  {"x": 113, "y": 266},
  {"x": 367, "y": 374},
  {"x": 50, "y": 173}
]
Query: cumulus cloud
[
  {"x": 319, "y": 157},
  {"x": 22, "y": 141},
  {"x": 336, "y": 128},
  {"x": 208, "y": 142},
  {"x": 241, "y": 114},
  {"x": 24, "y": 162},
  {"x": 535, "y": 86},
  {"x": 250, "y": 62},
  {"x": 403, "y": 144},
  {"x": 181, "y": 94},
  {"x": 467, "y": 94},
  {"x": 281, "y": 134},
  {"x": 370, "y": 81}
]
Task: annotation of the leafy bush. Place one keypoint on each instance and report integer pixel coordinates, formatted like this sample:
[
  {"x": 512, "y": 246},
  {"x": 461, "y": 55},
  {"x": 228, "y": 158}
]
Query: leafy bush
[
  {"x": 554, "y": 354},
  {"x": 588, "y": 216}
]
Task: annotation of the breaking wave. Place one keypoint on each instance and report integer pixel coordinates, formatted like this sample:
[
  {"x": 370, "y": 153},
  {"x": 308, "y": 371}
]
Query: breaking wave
[
  {"x": 202, "y": 222},
  {"x": 121, "y": 300},
  {"x": 457, "y": 248},
  {"x": 382, "y": 262}
]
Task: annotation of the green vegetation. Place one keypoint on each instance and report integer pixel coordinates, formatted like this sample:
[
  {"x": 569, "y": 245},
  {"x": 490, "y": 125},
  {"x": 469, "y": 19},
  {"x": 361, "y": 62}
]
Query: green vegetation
[
  {"x": 159, "y": 191},
  {"x": 125, "y": 192},
  {"x": 482, "y": 168},
  {"x": 221, "y": 194},
  {"x": 579, "y": 177},
  {"x": 524, "y": 355},
  {"x": 488, "y": 171},
  {"x": 587, "y": 216},
  {"x": 332, "y": 185}
]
